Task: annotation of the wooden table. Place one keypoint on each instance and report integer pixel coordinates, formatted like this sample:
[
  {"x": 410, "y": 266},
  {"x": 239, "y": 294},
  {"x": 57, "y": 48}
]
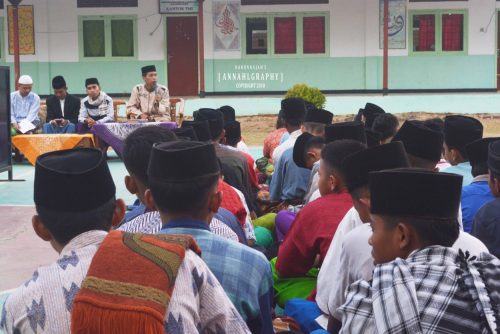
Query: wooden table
[{"x": 34, "y": 145}]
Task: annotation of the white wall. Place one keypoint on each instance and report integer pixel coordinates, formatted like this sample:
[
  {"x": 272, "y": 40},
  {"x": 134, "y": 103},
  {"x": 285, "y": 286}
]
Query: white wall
[
  {"x": 354, "y": 26},
  {"x": 56, "y": 29},
  {"x": 354, "y": 30}
]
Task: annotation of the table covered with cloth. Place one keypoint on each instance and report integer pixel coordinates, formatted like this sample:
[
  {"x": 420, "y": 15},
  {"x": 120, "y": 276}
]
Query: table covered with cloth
[
  {"x": 114, "y": 134},
  {"x": 33, "y": 146}
]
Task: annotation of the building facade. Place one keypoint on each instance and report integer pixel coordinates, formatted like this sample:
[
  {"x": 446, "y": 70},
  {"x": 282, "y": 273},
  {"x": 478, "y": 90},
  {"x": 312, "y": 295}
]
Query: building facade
[{"x": 252, "y": 46}]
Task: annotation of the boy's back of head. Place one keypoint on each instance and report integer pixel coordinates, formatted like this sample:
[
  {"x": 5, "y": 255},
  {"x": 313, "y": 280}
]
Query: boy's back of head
[
  {"x": 137, "y": 149},
  {"x": 74, "y": 193},
  {"x": 387, "y": 125},
  {"x": 182, "y": 174},
  {"x": 334, "y": 153}
]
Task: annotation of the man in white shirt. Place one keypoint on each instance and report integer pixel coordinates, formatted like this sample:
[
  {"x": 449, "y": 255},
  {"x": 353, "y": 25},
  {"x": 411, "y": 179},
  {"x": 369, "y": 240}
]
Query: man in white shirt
[
  {"x": 24, "y": 104},
  {"x": 356, "y": 168}
]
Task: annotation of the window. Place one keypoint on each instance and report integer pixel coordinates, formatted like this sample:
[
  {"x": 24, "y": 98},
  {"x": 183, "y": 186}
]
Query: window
[
  {"x": 314, "y": 34},
  {"x": 93, "y": 38},
  {"x": 2, "y": 34},
  {"x": 108, "y": 37},
  {"x": 285, "y": 40},
  {"x": 122, "y": 40},
  {"x": 256, "y": 36},
  {"x": 286, "y": 35},
  {"x": 105, "y": 3},
  {"x": 453, "y": 32},
  {"x": 439, "y": 32},
  {"x": 424, "y": 33}
]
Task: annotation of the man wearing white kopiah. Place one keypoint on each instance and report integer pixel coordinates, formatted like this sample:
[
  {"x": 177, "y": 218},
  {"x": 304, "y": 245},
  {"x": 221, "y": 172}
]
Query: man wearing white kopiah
[
  {"x": 24, "y": 106},
  {"x": 149, "y": 101}
]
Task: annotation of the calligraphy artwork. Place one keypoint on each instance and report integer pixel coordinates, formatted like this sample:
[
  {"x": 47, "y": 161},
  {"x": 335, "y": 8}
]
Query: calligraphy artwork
[
  {"x": 397, "y": 24},
  {"x": 26, "y": 22},
  {"x": 226, "y": 21}
]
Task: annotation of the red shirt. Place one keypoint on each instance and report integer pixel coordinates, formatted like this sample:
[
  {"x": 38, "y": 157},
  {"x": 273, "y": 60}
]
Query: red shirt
[
  {"x": 251, "y": 170},
  {"x": 231, "y": 201},
  {"x": 311, "y": 234}
]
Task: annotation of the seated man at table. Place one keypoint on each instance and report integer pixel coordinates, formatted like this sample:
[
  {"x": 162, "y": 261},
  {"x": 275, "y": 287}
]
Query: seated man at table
[
  {"x": 24, "y": 105},
  {"x": 149, "y": 100},
  {"x": 62, "y": 109},
  {"x": 96, "y": 108}
]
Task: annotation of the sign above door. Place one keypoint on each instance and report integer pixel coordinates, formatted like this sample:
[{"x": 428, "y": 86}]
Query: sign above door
[{"x": 178, "y": 6}]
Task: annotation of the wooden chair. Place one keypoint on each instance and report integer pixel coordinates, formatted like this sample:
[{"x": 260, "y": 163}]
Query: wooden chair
[
  {"x": 177, "y": 110},
  {"x": 42, "y": 115},
  {"x": 116, "y": 103}
]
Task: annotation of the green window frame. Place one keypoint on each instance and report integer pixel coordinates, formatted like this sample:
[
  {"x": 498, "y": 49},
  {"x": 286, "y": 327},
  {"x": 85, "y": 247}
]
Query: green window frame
[
  {"x": 438, "y": 19},
  {"x": 3, "y": 49},
  {"x": 109, "y": 30},
  {"x": 299, "y": 34}
]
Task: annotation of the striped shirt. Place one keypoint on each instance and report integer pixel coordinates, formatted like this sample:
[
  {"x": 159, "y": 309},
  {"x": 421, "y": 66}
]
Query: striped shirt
[
  {"x": 435, "y": 290},
  {"x": 150, "y": 223},
  {"x": 43, "y": 304}
]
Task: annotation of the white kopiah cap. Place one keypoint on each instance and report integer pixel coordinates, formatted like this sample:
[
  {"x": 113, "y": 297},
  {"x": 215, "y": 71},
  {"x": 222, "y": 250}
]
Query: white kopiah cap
[{"x": 25, "y": 80}]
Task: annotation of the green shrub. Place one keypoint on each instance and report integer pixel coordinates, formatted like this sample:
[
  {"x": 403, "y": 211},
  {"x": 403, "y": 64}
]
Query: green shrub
[{"x": 310, "y": 94}]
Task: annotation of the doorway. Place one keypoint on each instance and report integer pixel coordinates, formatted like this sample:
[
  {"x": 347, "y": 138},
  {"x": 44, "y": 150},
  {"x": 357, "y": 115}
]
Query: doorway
[{"x": 182, "y": 55}]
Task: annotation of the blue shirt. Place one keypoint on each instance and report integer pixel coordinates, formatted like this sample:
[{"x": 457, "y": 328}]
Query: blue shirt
[
  {"x": 244, "y": 273},
  {"x": 486, "y": 226},
  {"x": 135, "y": 212},
  {"x": 474, "y": 196},
  {"x": 464, "y": 169},
  {"x": 232, "y": 222},
  {"x": 289, "y": 181},
  {"x": 26, "y": 107}
]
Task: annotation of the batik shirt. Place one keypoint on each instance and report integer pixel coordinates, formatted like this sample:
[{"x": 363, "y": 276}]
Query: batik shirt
[
  {"x": 150, "y": 223},
  {"x": 272, "y": 141},
  {"x": 155, "y": 103},
  {"x": 435, "y": 290},
  {"x": 43, "y": 304}
]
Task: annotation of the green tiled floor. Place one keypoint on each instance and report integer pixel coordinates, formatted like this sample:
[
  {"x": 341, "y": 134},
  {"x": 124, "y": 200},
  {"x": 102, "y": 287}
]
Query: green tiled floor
[{"x": 21, "y": 193}]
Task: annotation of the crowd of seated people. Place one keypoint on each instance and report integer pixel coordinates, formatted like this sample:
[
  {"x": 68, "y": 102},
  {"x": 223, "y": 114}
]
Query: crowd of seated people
[{"x": 341, "y": 227}]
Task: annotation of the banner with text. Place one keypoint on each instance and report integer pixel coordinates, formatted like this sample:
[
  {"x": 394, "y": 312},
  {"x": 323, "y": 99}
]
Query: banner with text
[{"x": 178, "y": 6}]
